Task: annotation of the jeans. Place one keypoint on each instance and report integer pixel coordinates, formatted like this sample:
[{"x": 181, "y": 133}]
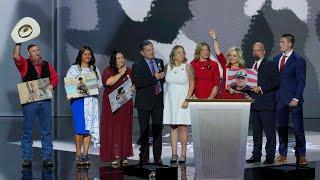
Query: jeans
[{"x": 42, "y": 110}]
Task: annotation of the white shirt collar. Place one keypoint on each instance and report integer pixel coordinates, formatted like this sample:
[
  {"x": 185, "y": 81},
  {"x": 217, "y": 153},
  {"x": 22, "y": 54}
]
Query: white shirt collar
[
  {"x": 287, "y": 54},
  {"x": 257, "y": 62}
]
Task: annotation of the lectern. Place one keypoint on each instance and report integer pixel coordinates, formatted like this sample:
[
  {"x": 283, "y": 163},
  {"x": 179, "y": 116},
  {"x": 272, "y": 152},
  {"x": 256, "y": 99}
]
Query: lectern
[{"x": 219, "y": 133}]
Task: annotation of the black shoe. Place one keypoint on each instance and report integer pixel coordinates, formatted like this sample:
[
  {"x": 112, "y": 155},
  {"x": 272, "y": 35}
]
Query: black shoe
[
  {"x": 86, "y": 160},
  {"x": 174, "y": 159},
  {"x": 253, "y": 159},
  {"x": 143, "y": 161},
  {"x": 268, "y": 161},
  {"x": 182, "y": 161},
  {"x": 47, "y": 163},
  {"x": 27, "y": 163},
  {"x": 158, "y": 162}
]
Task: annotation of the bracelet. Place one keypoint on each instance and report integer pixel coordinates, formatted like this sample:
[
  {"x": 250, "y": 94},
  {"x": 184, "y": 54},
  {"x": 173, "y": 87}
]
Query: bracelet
[{"x": 215, "y": 39}]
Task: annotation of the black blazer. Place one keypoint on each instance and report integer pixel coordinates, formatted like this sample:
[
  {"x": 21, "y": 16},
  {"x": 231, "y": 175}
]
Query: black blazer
[
  {"x": 268, "y": 80},
  {"x": 145, "y": 82}
]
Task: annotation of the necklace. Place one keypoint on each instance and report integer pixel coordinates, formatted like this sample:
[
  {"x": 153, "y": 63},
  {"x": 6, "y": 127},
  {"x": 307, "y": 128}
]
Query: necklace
[{"x": 176, "y": 69}]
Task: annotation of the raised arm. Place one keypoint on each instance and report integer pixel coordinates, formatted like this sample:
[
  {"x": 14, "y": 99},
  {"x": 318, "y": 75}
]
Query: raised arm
[
  {"x": 216, "y": 43},
  {"x": 16, "y": 52}
]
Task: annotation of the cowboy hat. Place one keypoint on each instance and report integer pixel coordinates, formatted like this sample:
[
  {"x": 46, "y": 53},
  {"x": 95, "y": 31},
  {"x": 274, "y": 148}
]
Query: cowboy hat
[{"x": 26, "y": 29}]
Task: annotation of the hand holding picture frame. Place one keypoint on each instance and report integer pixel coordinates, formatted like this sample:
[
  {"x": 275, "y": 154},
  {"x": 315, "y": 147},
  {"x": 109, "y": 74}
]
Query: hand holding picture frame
[
  {"x": 33, "y": 91},
  {"x": 81, "y": 86},
  {"x": 121, "y": 95},
  {"x": 241, "y": 79}
]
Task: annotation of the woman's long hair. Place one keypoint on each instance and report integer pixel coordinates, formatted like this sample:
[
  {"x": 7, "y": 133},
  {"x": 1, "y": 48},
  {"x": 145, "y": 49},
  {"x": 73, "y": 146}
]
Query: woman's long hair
[
  {"x": 113, "y": 60},
  {"x": 173, "y": 55},
  {"x": 239, "y": 55},
  {"x": 198, "y": 49},
  {"x": 91, "y": 62}
]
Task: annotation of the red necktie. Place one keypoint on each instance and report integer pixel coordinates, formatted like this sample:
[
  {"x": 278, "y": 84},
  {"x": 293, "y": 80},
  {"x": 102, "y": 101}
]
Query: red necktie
[
  {"x": 255, "y": 66},
  {"x": 282, "y": 63}
]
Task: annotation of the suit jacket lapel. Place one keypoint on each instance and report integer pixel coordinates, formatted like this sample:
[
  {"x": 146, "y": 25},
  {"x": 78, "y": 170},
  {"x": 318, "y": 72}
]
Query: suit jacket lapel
[
  {"x": 277, "y": 60},
  {"x": 159, "y": 64},
  {"x": 262, "y": 63},
  {"x": 290, "y": 60},
  {"x": 146, "y": 66},
  {"x": 260, "y": 67}
]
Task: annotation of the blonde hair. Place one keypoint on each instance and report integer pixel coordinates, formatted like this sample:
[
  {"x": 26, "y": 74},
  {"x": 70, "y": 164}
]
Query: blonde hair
[
  {"x": 173, "y": 54},
  {"x": 198, "y": 49},
  {"x": 239, "y": 55}
]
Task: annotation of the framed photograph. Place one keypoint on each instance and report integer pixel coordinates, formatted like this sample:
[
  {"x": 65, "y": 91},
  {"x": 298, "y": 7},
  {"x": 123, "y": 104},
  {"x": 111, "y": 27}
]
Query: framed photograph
[
  {"x": 33, "y": 91},
  {"x": 241, "y": 79},
  {"x": 81, "y": 86},
  {"x": 121, "y": 95}
]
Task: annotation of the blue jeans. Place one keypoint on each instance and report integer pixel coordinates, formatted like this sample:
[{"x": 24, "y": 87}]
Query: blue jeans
[{"x": 42, "y": 110}]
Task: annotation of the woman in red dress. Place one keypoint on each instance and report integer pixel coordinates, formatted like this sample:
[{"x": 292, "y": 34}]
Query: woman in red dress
[
  {"x": 116, "y": 127},
  {"x": 234, "y": 61},
  {"x": 206, "y": 73}
]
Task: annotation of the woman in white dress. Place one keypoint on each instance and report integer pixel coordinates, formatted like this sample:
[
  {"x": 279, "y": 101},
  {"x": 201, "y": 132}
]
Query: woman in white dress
[{"x": 180, "y": 83}]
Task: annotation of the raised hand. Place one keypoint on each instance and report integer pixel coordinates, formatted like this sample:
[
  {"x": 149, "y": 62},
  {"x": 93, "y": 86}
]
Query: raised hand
[
  {"x": 122, "y": 70},
  {"x": 213, "y": 34}
]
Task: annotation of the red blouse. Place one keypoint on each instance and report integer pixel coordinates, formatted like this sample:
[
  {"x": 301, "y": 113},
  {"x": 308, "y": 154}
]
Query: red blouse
[
  {"x": 225, "y": 94},
  {"x": 206, "y": 77}
]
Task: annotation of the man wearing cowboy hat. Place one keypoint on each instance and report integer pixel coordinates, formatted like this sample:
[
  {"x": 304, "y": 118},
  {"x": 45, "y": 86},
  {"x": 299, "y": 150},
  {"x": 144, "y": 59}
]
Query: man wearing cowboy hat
[{"x": 31, "y": 69}]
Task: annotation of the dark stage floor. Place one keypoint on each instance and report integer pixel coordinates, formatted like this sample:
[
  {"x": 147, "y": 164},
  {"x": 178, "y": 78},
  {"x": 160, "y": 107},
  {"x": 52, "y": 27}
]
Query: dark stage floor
[{"x": 64, "y": 167}]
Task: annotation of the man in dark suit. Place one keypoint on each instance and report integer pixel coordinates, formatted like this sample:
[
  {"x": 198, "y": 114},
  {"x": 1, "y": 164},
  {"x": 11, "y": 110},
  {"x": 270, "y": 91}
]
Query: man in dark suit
[
  {"x": 289, "y": 99},
  {"x": 148, "y": 77},
  {"x": 263, "y": 108}
]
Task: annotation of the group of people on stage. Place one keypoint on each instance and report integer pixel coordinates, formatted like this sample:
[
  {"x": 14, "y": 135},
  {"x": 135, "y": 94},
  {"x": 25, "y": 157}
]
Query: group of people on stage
[{"x": 278, "y": 94}]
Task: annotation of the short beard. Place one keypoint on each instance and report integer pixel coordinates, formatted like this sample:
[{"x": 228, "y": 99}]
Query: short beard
[{"x": 256, "y": 57}]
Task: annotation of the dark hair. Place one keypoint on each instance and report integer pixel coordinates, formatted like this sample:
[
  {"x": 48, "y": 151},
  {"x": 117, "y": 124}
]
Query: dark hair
[
  {"x": 113, "y": 60},
  {"x": 120, "y": 90},
  {"x": 30, "y": 46},
  {"x": 80, "y": 78},
  {"x": 290, "y": 38},
  {"x": 144, "y": 44},
  {"x": 92, "y": 61}
]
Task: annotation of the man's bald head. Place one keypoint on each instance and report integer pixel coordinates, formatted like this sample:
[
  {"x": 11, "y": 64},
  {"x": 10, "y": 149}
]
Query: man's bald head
[
  {"x": 259, "y": 45},
  {"x": 258, "y": 51}
]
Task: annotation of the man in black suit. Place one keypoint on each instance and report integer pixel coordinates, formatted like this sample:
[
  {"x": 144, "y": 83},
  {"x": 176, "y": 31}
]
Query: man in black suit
[
  {"x": 148, "y": 77},
  {"x": 263, "y": 108}
]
